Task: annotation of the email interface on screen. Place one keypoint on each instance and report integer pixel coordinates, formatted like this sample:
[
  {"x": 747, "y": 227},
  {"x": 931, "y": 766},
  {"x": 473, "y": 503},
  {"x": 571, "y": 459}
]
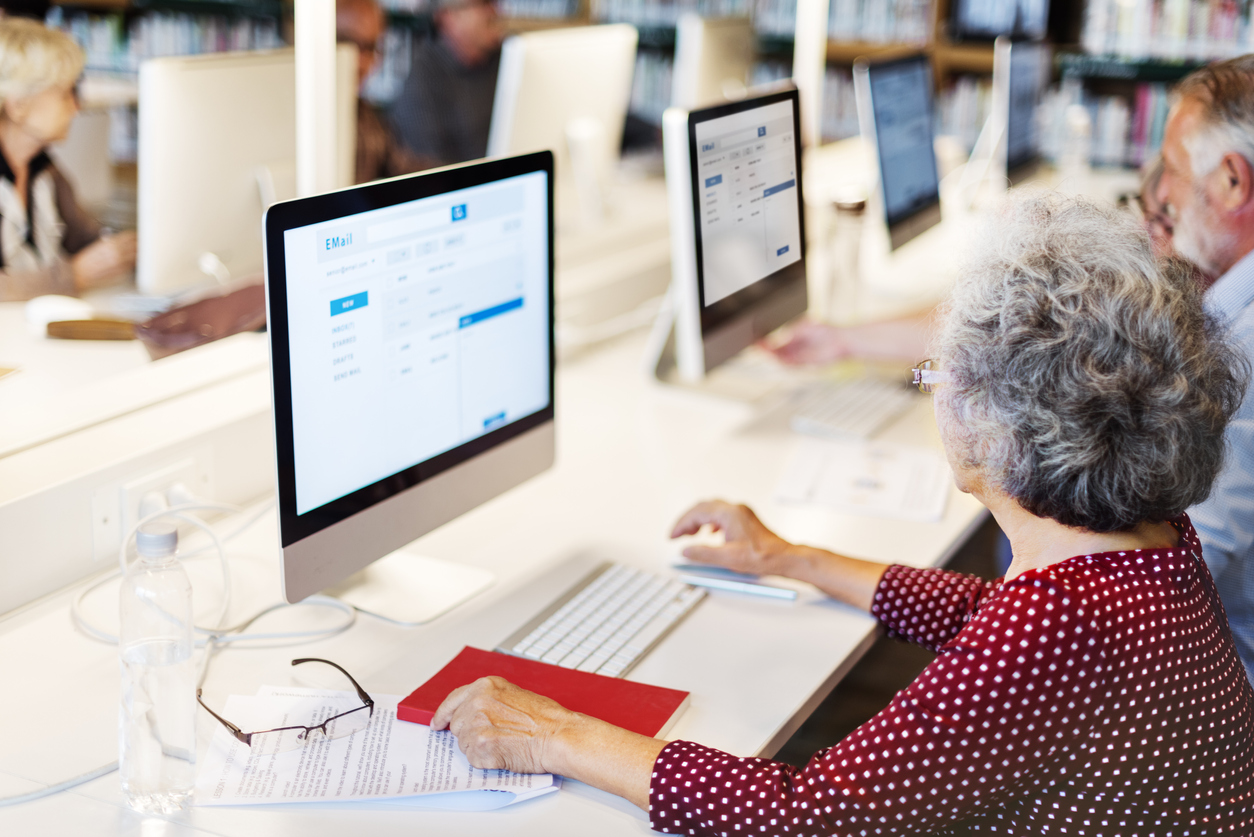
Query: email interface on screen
[
  {"x": 747, "y": 198},
  {"x": 901, "y": 97},
  {"x": 414, "y": 329}
]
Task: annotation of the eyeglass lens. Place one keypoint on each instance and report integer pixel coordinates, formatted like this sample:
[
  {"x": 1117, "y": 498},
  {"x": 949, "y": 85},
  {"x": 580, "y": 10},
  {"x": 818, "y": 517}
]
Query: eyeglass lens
[{"x": 291, "y": 738}]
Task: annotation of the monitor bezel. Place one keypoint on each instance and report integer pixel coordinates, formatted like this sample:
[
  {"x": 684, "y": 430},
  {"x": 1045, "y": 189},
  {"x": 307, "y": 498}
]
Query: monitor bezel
[
  {"x": 295, "y": 527},
  {"x": 731, "y": 307},
  {"x": 904, "y": 225},
  {"x": 1018, "y": 167}
]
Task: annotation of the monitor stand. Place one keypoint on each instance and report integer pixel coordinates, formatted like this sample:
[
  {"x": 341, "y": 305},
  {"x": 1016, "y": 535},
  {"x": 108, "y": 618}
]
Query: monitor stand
[
  {"x": 982, "y": 167},
  {"x": 411, "y": 589},
  {"x": 753, "y": 377}
]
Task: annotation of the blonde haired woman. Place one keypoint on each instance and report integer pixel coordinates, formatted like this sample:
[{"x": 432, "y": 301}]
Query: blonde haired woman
[{"x": 48, "y": 244}]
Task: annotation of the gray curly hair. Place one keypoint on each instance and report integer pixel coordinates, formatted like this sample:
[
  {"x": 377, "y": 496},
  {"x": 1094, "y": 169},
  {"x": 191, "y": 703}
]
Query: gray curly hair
[{"x": 1088, "y": 383}]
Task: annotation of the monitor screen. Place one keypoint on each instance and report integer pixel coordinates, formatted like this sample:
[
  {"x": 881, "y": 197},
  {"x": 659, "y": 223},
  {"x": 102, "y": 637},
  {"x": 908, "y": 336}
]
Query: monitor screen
[
  {"x": 746, "y": 178},
  {"x": 901, "y": 105},
  {"x": 1028, "y": 77},
  {"x": 417, "y": 333}
]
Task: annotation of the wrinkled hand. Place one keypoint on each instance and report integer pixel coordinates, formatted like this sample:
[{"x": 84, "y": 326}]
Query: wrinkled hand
[
  {"x": 811, "y": 343},
  {"x": 103, "y": 260},
  {"x": 748, "y": 546},
  {"x": 500, "y": 726}
]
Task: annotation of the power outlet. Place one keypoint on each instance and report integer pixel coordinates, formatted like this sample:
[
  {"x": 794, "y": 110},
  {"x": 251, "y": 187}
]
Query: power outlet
[{"x": 115, "y": 508}]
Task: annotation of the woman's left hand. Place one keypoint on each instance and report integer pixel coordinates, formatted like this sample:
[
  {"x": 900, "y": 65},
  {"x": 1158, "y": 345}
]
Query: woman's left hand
[{"x": 500, "y": 726}]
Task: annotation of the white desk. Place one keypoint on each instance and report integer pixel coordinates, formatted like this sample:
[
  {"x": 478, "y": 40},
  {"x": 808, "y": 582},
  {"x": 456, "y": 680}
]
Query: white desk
[{"x": 632, "y": 455}]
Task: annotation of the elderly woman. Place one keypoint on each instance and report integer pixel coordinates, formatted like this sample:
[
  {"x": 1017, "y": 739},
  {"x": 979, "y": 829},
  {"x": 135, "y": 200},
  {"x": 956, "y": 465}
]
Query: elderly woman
[
  {"x": 48, "y": 244},
  {"x": 1081, "y": 395}
]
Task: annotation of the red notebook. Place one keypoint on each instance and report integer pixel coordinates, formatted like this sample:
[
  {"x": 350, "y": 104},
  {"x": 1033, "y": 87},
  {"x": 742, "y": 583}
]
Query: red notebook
[{"x": 648, "y": 710}]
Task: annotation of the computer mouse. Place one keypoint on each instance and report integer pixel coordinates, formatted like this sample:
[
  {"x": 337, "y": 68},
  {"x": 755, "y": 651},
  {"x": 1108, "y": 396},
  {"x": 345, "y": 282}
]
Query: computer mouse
[{"x": 53, "y": 308}]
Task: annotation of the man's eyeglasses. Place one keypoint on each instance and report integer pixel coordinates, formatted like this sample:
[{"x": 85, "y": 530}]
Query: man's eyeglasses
[
  {"x": 928, "y": 374},
  {"x": 291, "y": 738}
]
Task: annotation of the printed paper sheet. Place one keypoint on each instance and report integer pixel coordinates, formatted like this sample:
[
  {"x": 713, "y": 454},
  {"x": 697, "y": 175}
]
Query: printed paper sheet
[{"x": 390, "y": 759}]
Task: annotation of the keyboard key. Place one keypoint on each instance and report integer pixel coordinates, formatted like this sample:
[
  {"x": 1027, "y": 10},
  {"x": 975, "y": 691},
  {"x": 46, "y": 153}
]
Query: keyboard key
[{"x": 610, "y": 620}]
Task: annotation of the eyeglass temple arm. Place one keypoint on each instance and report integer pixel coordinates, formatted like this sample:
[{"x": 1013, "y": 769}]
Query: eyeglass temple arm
[
  {"x": 235, "y": 731},
  {"x": 930, "y": 376},
  {"x": 361, "y": 693}
]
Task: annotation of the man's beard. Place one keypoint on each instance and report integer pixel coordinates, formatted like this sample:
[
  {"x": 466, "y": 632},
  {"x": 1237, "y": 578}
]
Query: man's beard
[{"x": 1198, "y": 236}]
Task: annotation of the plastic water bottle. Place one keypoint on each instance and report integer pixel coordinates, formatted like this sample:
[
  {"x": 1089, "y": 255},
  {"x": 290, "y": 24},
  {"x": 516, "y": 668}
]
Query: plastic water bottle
[{"x": 157, "y": 729}]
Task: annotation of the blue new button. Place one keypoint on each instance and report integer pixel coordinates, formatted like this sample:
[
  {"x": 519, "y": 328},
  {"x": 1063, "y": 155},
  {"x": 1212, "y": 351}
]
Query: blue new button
[
  {"x": 713, "y": 181},
  {"x": 781, "y": 251},
  {"x": 349, "y": 303}
]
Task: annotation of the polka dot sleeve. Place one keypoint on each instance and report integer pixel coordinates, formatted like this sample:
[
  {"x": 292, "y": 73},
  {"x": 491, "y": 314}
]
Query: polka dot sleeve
[
  {"x": 988, "y": 717},
  {"x": 928, "y": 607}
]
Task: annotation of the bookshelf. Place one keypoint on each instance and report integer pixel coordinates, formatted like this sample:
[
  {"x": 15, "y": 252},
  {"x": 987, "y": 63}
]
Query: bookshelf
[{"x": 1127, "y": 54}]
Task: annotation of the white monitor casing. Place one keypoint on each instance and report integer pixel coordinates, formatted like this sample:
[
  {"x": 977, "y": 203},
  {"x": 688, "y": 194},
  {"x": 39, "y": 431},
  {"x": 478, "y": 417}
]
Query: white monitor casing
[
  {"x": 567, "y": 91},
  {"x": 217, "y": 143},
  {"x": 713, "y": 59}
]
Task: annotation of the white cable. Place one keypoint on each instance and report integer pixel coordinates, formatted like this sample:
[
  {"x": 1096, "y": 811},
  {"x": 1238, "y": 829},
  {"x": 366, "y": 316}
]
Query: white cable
[
  {"x": 51, "y": 789},
  {"x": 216, "y": 637}
]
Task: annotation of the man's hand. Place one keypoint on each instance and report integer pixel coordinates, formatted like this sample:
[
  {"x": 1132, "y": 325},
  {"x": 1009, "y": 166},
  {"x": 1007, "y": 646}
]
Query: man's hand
[
  {"x": 500, "y": 726},
  {"x": 748, "y": 546},
  {"x": 811, "y": 343},
  {"x": 103, "y": 260}
]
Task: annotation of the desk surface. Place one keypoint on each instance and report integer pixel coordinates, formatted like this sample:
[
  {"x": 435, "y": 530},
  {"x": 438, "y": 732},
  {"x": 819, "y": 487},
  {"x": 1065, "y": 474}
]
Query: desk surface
[{"x": 632, "y": 455}]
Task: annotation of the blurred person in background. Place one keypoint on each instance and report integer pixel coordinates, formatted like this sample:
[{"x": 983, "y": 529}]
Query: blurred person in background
[
  {"x": 444, "y": 110},
  {"x": 48, "y": 243},
  {"x": 379, "y": 154}
]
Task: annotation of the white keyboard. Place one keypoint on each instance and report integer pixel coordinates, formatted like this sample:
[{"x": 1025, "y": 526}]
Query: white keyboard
[
  {"x": 607, "y": 622},
  {"x": 853, "y": 409}
]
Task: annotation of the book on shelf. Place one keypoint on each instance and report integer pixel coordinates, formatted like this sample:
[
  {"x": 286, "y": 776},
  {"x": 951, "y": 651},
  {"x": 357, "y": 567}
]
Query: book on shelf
[
  {"x": 666, "y": 14},
  {"x": 113, "y": 46},
  {"x": 880, "y": 21},
  {"x": 1168, "y": 29}
]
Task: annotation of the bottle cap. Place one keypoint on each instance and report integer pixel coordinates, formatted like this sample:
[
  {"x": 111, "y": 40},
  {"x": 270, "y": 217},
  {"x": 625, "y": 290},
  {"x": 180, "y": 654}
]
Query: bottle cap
[{"x": 157, "y": 540}]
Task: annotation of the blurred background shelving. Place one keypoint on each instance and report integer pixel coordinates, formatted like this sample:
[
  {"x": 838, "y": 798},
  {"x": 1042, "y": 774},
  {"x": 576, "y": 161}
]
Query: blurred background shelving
[{"x": 1116, "y": 58}]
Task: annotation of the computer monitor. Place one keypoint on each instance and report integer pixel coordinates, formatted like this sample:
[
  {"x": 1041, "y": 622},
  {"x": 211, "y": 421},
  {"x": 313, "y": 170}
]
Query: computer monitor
[
  {"x": 738, "y": 270},
  {"x": 1020, "y": 75},
  {"x": 217, "y": 144},
  {"x": 412, "y": 359},
  {"x": 895, "y": 114},
  {"x": 987, "y": 19},
  {"x": 567, "y": 90},
  {"x": 713, "y": 60}
]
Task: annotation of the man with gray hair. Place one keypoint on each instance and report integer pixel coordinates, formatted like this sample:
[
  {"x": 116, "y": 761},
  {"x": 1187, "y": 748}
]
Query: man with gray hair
[{"x": 1208, "y": 187}]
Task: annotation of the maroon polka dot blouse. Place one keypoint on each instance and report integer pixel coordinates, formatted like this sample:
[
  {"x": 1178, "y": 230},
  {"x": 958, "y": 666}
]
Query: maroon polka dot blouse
[{"x": 1098, "y": 696}]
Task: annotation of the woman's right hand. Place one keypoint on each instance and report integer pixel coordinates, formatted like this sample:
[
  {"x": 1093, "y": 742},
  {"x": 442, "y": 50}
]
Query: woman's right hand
[
  {"x": 748, "y": 546},
  {"x": 102, "y": 261}
]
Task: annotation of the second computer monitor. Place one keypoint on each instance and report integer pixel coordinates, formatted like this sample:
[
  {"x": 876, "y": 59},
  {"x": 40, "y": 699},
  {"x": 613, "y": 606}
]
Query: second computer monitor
[
  {"x": 411, "y": 334},
  {"x": 733, "y": 175},
  {"x": 713, "y": 59},
  {"x": 217, "y": 144},
  {"x": 895, "y": 115},
  {"x": 566, "y": 90},
  {"x": 1020, "y": 75}
]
